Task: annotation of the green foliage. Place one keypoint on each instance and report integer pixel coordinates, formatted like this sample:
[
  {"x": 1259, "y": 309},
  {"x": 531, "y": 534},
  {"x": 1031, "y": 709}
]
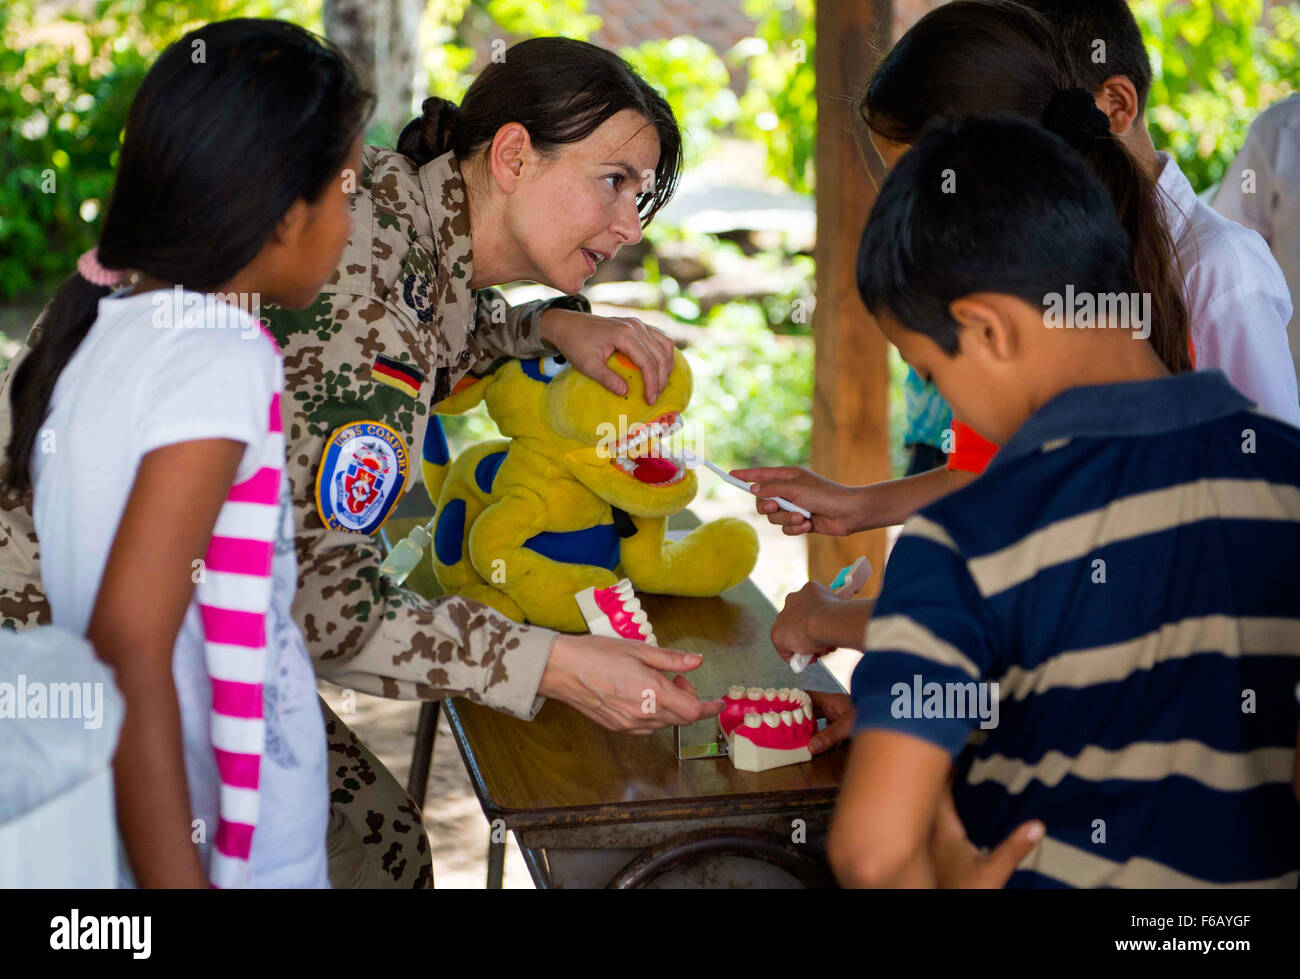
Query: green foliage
[
  {"x": 447, "y": 59},
  {"x": 779, "y": 105},
  {"x": 753, "y": 391},
  {"x": 69, "y": 82},
  {"x": 1217, "y": 65},
  {"x": 449, "y": 54},
  {"x": 694, "y": 81},
  {"x": 468, "y": 429},
  {"x": 528, "y": 18},
  {"x": 898, "y": 454}
]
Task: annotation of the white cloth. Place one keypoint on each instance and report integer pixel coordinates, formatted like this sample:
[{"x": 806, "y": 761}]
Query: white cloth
[
  {"x": 1236, "y": 296},
  {"x": 60, "y": 714},
  {"x": 1272, "y": 207},
  {"x": 132, "y": 387}
]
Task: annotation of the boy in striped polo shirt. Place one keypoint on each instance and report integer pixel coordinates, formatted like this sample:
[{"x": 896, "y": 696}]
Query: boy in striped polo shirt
[{"x": 1104, "y": 629}]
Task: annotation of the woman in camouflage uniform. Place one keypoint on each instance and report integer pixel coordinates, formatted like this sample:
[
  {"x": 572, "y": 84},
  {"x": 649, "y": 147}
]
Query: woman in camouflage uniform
[{"x": 558, "y": 156}]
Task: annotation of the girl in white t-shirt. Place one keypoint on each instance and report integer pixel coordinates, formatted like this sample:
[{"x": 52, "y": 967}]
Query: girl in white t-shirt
[{"x": 147, "y": 423}]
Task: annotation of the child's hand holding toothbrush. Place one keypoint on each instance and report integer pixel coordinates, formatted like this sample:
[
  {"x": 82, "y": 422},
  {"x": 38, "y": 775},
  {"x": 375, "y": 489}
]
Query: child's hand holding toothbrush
[
  {"x": 817, "y": 620},
  {"x": 835, "y": 508},
  {"x": 796, "y": 630}
]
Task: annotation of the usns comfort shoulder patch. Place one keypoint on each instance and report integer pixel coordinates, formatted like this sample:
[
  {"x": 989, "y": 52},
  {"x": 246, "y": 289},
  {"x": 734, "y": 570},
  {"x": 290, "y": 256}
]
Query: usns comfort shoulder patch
[{"x": 362, "y": 475}]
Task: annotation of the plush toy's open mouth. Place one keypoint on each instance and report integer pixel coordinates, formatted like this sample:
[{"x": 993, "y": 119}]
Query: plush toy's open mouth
[{"x": 643, "y": 455}]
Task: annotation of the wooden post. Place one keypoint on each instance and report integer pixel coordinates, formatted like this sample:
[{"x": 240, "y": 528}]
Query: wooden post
[{"x": 850, "y": 439}]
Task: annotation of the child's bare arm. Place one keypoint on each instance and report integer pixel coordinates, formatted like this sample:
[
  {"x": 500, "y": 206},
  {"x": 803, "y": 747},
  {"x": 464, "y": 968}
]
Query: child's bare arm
[
  {"x": 145, "y": 591},
  {"x": 837, "y": 509},
  {"x": 883, "y": 820}
]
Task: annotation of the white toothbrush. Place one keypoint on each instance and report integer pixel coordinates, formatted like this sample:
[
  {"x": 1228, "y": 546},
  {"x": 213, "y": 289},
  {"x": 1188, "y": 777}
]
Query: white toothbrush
[{"x": 693, "y": 459}]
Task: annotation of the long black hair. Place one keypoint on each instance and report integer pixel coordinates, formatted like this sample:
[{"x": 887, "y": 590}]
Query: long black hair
[
  {"x": 560, "y": 90},
  {"x": 983, "y": 57},
  {"x": 232, "y": 124},
  {"x": 1034, "y": 219}
]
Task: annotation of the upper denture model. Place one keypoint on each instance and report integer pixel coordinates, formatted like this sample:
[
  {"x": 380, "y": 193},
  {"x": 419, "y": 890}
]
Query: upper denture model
[
  {"x": 767, "y": 728},
  {"x": 616, "y": 611}
]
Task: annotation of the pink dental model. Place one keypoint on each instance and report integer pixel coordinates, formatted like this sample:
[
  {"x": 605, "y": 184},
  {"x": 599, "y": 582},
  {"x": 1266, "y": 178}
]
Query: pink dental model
[
  {"x": 767, "y": 728},
  {"x": 615, "y": 611}
]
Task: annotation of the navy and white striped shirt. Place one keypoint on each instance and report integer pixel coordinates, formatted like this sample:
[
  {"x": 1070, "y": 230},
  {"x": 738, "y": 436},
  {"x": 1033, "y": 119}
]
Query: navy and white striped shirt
[{"x": 1127, "y": 571}]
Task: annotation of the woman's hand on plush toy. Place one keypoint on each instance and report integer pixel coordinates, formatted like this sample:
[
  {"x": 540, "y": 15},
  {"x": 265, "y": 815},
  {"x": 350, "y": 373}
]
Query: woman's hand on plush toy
[
  {"x": 617, "y": 683},
  {"x": 588, "y": 341},
  {"x": 835, "y": 508}
]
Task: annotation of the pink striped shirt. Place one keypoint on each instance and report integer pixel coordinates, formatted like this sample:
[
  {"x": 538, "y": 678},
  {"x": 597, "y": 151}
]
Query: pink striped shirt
[{"x": 234, "y": 599}]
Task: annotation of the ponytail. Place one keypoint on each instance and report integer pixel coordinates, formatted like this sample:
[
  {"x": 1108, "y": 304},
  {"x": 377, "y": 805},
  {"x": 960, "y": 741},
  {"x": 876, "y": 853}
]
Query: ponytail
[
  {"x": 198, "y": 190},
  {"x": 431, "y": 134},
  {"x": 984, "y": 57},
  {"x": 65, "y": 324},
  {"x": 1153, "y": 260}
]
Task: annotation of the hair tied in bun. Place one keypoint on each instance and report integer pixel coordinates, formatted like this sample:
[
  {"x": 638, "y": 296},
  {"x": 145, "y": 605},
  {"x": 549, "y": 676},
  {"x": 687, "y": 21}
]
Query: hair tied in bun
[
  {"x": 1073, "y": 115},
  {"x": 431, "y": 134}
]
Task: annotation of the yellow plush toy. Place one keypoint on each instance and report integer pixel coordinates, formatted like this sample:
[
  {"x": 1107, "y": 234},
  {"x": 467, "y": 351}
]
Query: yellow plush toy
[{"x": 577, "y": 496}]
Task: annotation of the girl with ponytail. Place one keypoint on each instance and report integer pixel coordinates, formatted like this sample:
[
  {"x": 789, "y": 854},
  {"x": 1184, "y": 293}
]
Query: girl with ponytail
[
  {"x": 146, "y": 423},
  {"x": 984, "y": 57}
]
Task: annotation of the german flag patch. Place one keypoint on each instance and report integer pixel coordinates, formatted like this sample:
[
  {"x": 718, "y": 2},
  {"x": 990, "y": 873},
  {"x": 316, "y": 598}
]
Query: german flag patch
[{"x": 395, "y": 374}]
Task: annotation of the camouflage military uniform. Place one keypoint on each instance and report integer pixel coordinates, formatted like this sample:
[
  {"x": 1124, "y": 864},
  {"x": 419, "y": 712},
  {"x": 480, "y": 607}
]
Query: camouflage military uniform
[{"x": 400, "y": 292}]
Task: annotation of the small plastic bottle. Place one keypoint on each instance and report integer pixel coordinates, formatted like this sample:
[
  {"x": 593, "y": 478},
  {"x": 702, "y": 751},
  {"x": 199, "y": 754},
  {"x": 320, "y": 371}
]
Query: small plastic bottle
[{"x": 405, "y": 557}]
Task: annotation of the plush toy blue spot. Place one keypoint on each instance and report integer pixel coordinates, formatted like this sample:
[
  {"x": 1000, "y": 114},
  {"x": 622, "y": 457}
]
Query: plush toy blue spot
[
  {"x": 596, "y": 545},
  {"x": 435, "y": 443},
  {"x": 485, "y": 473},
  {"x": 449, "y": 534}
]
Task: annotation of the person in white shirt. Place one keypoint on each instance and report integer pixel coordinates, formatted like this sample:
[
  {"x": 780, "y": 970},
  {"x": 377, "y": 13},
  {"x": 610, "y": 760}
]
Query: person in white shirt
[
  {"x": 1236, "y": 293},
  {"x": 1262, "y": 192}
]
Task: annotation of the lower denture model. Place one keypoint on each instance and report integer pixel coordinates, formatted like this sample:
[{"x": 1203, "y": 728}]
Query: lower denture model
[
  {"x": 616, "y": 612},
  {"x": 767, "y": 728}
]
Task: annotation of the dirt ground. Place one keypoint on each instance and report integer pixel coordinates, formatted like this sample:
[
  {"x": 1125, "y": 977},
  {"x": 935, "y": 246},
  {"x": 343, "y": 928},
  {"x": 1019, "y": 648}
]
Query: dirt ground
[{"x": 456, "y": 826}]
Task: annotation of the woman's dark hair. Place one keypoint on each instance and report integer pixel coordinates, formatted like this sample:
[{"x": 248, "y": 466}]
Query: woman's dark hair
[
  {"x": 1031, "y": 220},
  {"x": 232, "y": 124},
  {"x": 981, "y": 57},
  {"x": 560, "y": 90}
]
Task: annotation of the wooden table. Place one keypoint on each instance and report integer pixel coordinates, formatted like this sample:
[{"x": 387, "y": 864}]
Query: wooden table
[{"x": 585, "y": 803}]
